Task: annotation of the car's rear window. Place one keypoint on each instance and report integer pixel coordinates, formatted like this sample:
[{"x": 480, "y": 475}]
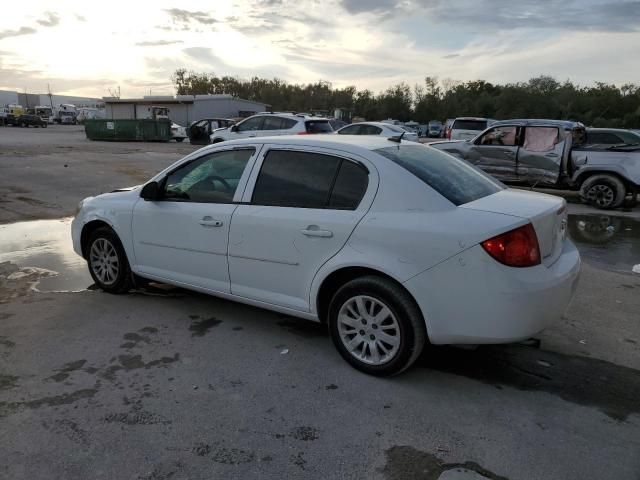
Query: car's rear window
[
  {"x": 454, "y": 179},
  {"x": 470, "y": 125},
  {"x": 318, "y": 126}
]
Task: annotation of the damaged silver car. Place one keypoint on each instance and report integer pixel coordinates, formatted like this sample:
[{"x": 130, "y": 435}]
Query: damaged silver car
[{"x": 553, "y": 153}]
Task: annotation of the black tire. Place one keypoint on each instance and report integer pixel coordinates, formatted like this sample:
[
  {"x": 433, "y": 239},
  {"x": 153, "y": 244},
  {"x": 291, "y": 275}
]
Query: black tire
[
  {"x": 412, "y": 331},
  {"x": 122, "y": 282},
  {"x": 603, "y": 191},
  {"x": 179, "y": 140}
]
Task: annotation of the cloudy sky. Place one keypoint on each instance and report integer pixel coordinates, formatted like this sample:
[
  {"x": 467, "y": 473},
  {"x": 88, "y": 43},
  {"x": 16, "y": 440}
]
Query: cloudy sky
[{"x": 85, "y": 48}]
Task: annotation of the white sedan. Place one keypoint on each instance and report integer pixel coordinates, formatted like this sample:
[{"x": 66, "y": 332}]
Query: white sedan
[
  {"x": 380, "y": 129},
  {"x": 394, "y": 245}
]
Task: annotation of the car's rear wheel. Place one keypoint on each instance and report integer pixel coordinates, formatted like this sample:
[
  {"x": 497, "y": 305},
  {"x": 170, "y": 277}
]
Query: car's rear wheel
[
  {"x": 376, "y": 326},
  {"x": 179, "y": 139},
  {"x": 107, "y": 260},
  {"x": 603, "y": 191}
]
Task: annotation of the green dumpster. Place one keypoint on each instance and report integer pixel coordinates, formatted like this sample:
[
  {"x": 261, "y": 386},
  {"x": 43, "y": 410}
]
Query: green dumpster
[{"x": 128, "y": 130}]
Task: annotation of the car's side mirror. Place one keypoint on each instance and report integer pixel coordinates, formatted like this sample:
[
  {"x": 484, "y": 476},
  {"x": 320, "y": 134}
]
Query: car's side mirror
[
  {"x": 234, "y": 128},
  {"x": 151, "y": 191}
]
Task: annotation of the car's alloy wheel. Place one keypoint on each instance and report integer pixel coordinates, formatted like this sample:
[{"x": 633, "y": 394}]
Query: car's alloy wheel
[
  {"x": 601, "y": 195},
  {"x": 376, "y": 325},
  {"x": 104, "y": 262},
  {"x": 603, "y": 191},
  {"x": 107, "y": 260},
  {"x": 369, "y": 330}
]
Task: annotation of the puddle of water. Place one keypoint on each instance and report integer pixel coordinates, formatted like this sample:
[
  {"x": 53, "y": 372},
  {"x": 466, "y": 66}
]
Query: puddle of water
[
  {"x": 45, "y": 244},
  {"x": 607, "y": 241}
]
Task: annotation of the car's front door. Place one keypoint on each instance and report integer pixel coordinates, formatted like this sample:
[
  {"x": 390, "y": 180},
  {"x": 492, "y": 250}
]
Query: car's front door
[
  {"x": 200, "y": 132},
  {"x": 183, "y": 236},
  {"x": 299, "y": 209},
  {"x": 540, "y": 157},
  {"x": 496, "y": 152},
  {"x": 251, "y": 127}
]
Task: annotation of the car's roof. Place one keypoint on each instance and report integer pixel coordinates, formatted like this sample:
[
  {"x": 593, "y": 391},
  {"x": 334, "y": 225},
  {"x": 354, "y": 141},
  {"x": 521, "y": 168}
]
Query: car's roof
[
  {"x": 295, "y": 116},
  {"x": 591, "y": 129},
  {"x": 569, "y": 124},
  {"x": 339, "y": 142},
  {"x": 478, "y": 119}
]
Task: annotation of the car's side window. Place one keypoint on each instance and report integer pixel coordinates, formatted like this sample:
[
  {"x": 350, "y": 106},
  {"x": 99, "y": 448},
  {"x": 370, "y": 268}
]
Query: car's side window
[
  {"x": 351, "y": 130},
  {"x": 290, "y": 178},
  {"x": 370, "y": 130},
  {"x": 288, "y": 123},
  {"x": 272, "y": 123},
  {"x": 605, "y": 138},
  {"x": 503, "y": 136},
  {"x": 349, "y": 187},
  {"x": 250, "y": 124},
  {"x": 212, "y": 178}
]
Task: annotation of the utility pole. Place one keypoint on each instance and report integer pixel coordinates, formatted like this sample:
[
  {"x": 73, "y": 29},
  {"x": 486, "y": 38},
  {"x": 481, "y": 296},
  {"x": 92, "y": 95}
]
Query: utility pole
[{"x": 50, "y": 98}]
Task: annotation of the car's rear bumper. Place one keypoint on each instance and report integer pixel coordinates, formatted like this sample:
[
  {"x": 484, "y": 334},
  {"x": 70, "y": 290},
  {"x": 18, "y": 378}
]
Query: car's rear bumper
[{"x": 472, "y": 299}]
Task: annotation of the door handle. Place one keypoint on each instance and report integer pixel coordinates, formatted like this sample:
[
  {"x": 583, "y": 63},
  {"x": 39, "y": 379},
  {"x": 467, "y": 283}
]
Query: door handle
[
  {"x": 252, "y": 135},
  {"x": 552, "y": 155},
  {"x": 314, "y": 231},
  {"x": 509, "y": 153},
  {"x": 210, "y": 222}
]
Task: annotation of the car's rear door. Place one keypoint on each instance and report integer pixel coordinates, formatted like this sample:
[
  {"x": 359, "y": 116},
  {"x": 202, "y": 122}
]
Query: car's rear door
[
  {"x": 496, "y": 152},
  {"x": 540, "y": 156},
  {"x": 183, "y": 236},
  {"x": 300, "y": 207}
]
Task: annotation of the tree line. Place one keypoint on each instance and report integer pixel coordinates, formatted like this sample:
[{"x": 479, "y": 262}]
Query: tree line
[{"x": 601, "y": 104}]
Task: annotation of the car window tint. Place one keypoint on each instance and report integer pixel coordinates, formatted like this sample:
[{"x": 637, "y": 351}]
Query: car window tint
[
  {"x": 209, "y": 179},
  {"x": 318, "y": 126},
  {"x": 504, "y": 136},
  {"x": 370, "y": 130},
  {"x": 454, "y": 179},
  {"x": 469, "y": 125},
  {"x": 288, "y": 123},
  {"x": 350, "y": 130},
  {"x": 272, "y": 123},
  {"x": 254, "y": 123},
  {"x": 605, "y": 138},
  {"x": 350, "y": 187},
  {"x": 295, "y": 179}
]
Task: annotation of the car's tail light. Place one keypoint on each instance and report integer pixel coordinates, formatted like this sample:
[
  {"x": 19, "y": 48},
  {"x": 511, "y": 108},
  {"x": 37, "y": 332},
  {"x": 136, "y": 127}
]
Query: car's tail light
[
  {"x": 304, "y": 133},
  {"x": 516, "y": 248}
]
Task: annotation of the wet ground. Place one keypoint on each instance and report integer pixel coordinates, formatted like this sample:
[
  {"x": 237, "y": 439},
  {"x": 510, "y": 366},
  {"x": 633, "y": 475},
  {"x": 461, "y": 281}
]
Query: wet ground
[{"x": 169, "y": 384}]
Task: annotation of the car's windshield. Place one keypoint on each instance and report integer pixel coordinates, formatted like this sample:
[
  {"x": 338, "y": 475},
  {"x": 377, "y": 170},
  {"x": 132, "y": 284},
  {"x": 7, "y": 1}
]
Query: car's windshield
[
  {"x": 454, "y": 179},
  {"x": 318, "y": 126},
  {"x": 470, "y": 125}
]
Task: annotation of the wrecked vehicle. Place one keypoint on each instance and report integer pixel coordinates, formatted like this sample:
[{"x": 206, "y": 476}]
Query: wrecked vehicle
[{"x": 554, "y": 154}]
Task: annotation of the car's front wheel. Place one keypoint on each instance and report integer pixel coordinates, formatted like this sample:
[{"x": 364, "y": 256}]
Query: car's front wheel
[
  {"x": 603, "y": 191},
  {"x": 376, "y": 326},
  {"x": 108, "y": 264}
]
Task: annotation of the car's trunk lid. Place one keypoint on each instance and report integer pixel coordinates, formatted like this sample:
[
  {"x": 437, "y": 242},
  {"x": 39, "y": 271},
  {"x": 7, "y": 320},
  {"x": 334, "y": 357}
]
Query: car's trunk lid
[{"x": 547, "y": 214}]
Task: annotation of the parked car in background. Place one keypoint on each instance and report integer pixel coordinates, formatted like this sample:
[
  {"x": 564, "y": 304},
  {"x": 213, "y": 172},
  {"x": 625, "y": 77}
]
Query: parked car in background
[
  {"x": 434, "y": 128},
  {"x": 30, "y": 120},
  {"x": 466, "y": 128},
  {"x": 270, "y": 124},
  {"x": 178, "y": 132},
  {"x": 612, "y": 136},
  {"x": 336, "y": 123},
  {"x": 553, "y": 153},
  {"x": 446, "y": 130},
  {"x": 378, "y": 128},
  {"x": 199, "y": 132},
  {"x": 394, "y": 245}
]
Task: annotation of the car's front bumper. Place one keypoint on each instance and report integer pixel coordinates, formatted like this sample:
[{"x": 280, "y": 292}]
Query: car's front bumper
[{"x": 472, "y": 299}]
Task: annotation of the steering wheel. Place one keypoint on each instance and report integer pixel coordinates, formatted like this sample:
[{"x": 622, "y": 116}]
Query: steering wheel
[{"x": 221, "y": 180}]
